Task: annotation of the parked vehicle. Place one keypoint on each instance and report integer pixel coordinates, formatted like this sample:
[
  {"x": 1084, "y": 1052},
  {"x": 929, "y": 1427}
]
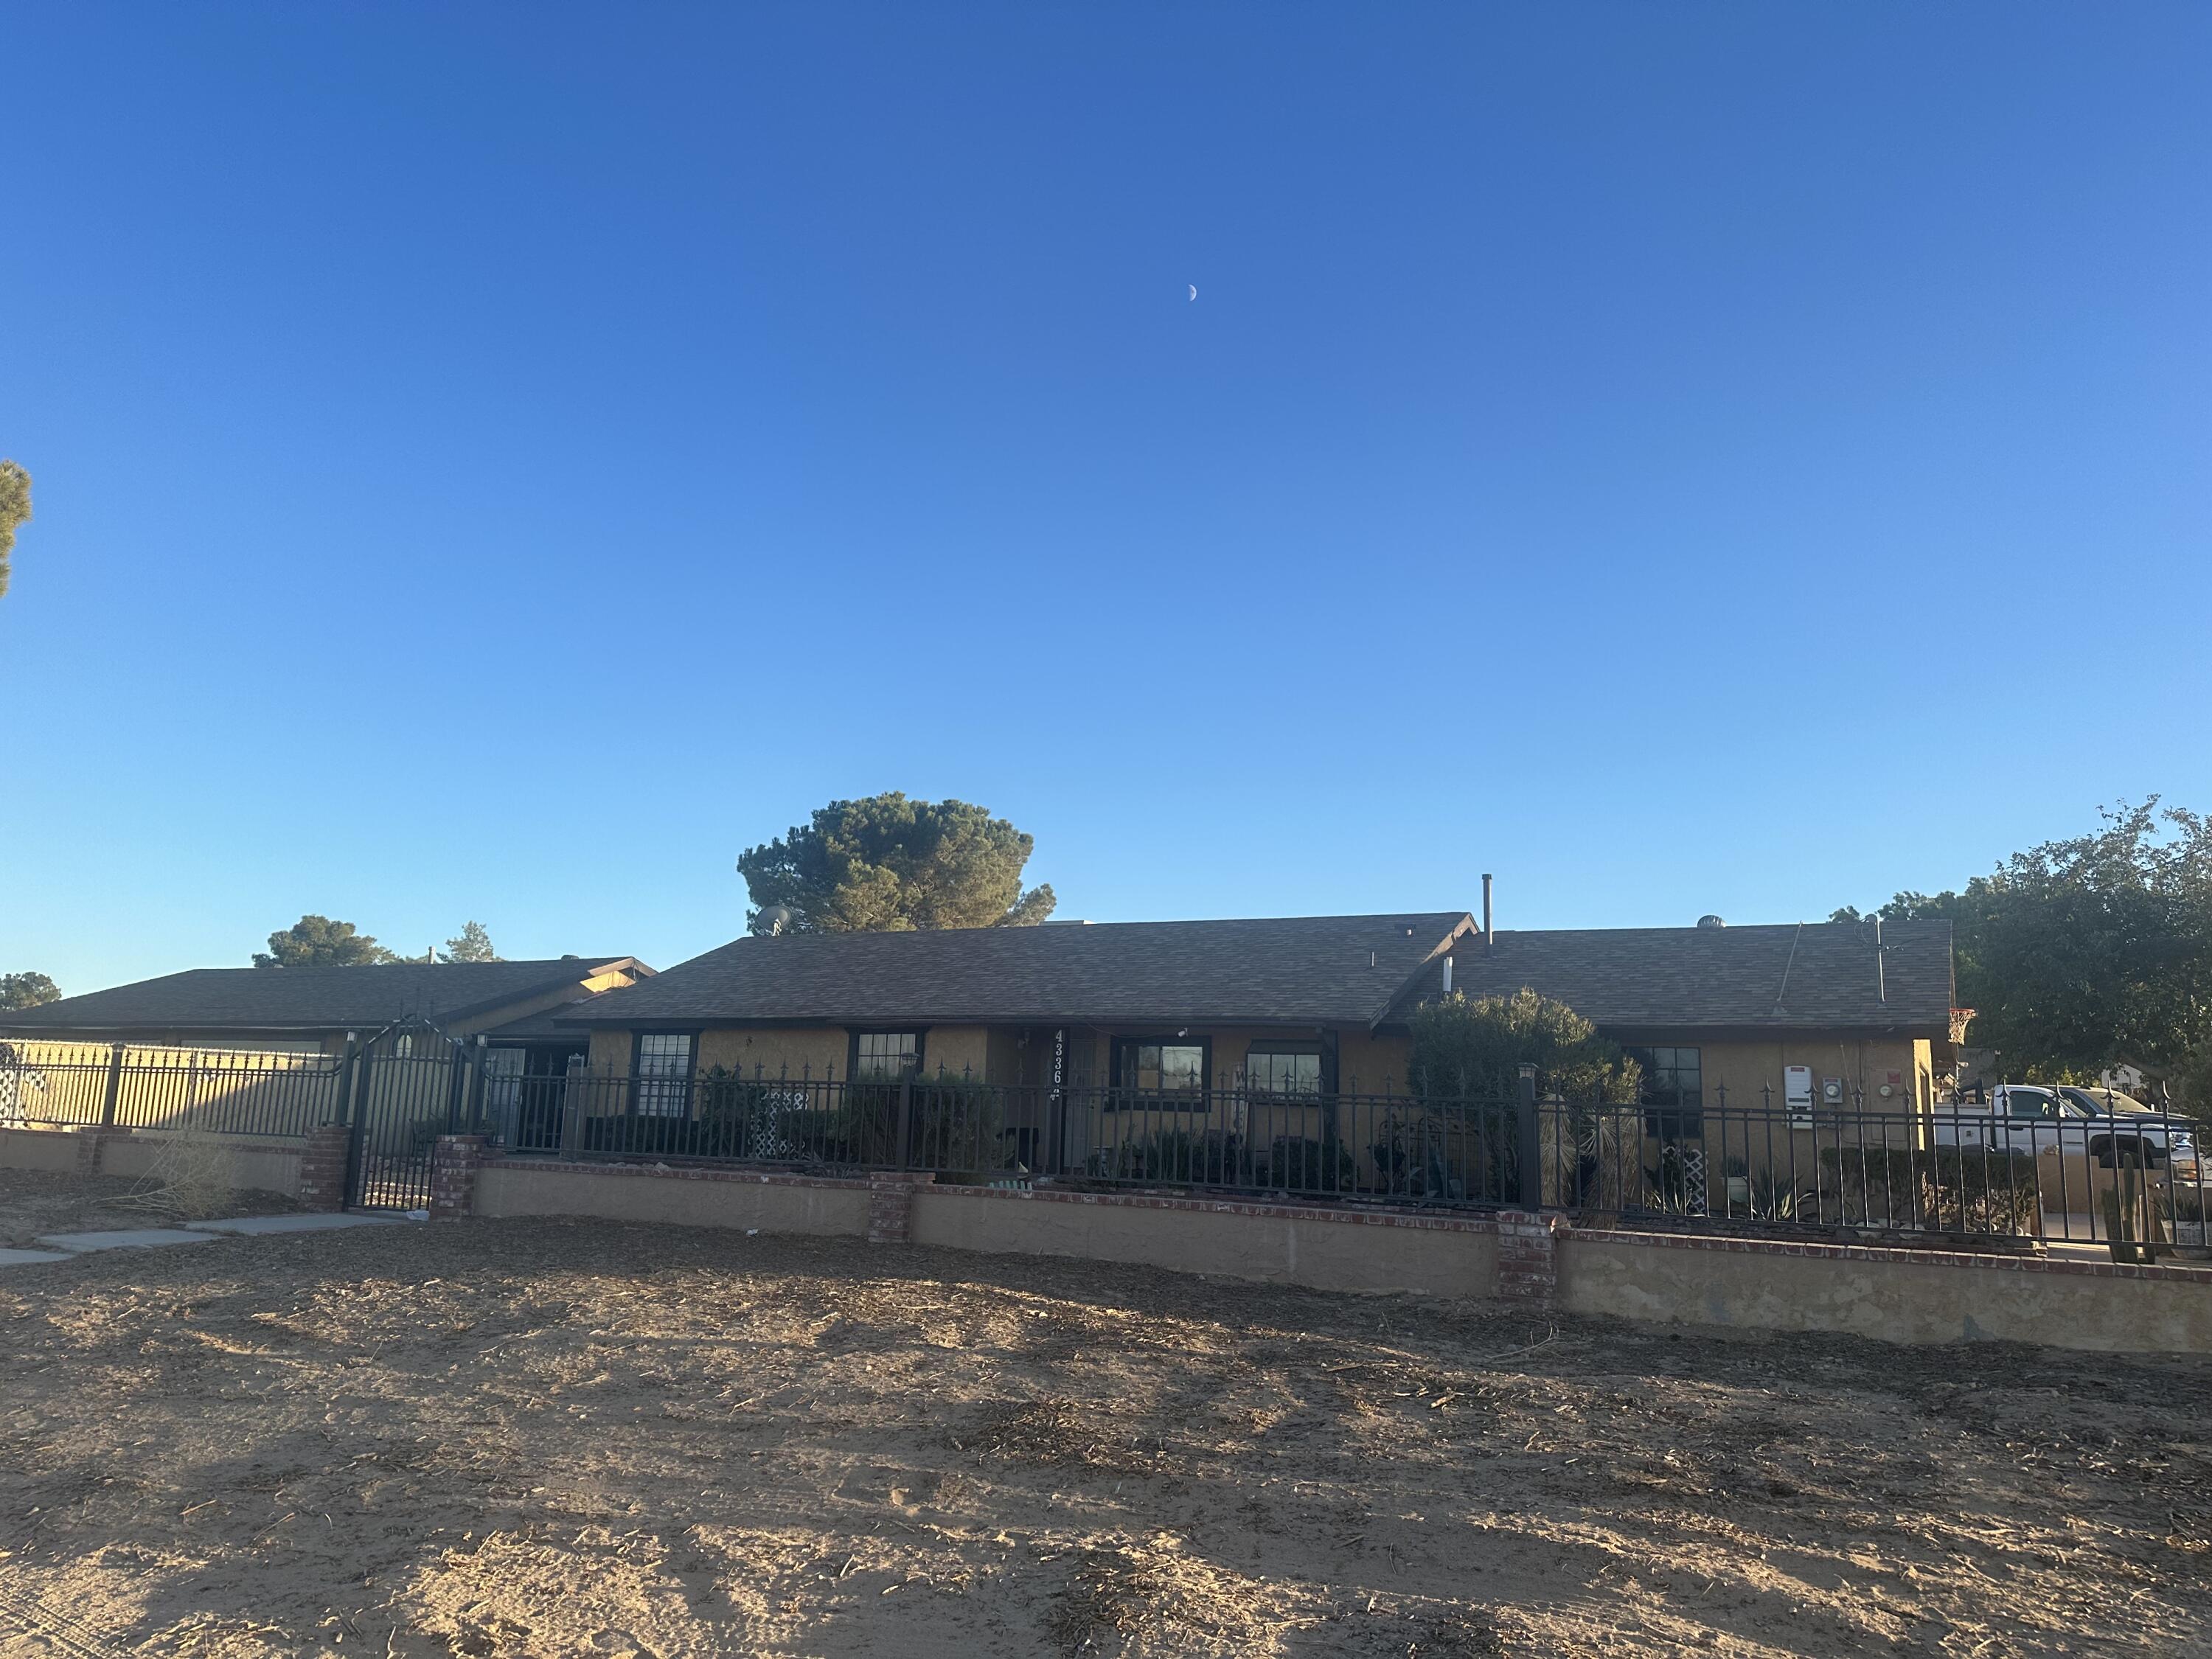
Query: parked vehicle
[
  {"x": 2126, "y": 1111},
  {"x": 2042, "y": 1120},
  {"x": 2056, "y": 1121}
]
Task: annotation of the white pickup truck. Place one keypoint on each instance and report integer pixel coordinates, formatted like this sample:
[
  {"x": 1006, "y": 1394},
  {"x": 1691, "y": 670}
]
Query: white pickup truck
[{"x": 2110, "y": 1127}]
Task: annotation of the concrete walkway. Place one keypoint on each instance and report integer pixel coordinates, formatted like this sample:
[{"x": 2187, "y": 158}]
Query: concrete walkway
[
  {"x": 61, "y": 1247},
  {"x": 256, "y": 1226}
]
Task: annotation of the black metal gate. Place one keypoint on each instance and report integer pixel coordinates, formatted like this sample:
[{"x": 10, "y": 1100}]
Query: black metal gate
[{"x": 402, "y": 1103}]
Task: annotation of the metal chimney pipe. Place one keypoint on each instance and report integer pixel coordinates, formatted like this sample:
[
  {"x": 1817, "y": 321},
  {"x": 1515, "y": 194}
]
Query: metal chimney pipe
[
  {"x": 1488, "y": 941},
  {"x": 1447, "y": 976}
]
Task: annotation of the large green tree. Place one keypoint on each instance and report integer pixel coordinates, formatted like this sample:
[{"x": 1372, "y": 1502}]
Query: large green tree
[
  {"x": 14, "y": 511},
  {"x": 1476, "y": 1046},
  {"x": 2079, "y": 954},
  {"x": 28, "y": 990},
  {"x": 319, "y": 942},
  {"x": 472, "y": 944},
  {"x": 891, "y": 864}
]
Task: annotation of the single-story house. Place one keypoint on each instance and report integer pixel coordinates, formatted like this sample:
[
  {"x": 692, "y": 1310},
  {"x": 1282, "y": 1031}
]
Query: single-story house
[
  {"x": 307, "y": 1011},
  {"x": 1204, "y": 1015}
]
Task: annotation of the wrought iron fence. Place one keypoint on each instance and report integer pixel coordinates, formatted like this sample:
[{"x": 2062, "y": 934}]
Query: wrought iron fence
[
  {"x": 1952, "y": 1172},
  {"x": 223, "y": 1091},
  {"x": 1953, "y": 1169},
  {"x": 2026, "y": 1171}
]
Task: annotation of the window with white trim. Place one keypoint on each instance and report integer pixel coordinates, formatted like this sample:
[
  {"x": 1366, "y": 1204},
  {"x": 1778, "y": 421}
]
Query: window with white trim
[
  {"x": 663, "y": 1070},
  {"x": 883, "y": 1055},
  {"x": 1292, "y": 1070}
]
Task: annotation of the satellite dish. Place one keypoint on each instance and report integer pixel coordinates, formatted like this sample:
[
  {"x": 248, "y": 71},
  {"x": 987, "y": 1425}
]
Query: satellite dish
[
  {"x": 1711, "y": 921},
  {"x": 776, "y": 919}
]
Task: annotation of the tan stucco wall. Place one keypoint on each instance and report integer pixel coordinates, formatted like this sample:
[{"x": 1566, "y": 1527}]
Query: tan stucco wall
[
  {"x": 799, "y": 1052},
  {"x": 957, "y": 1050},
  {"x": 252, "y": 1164},
  {"x": 1371, "y": 1064},
  {"x": 52, "y": 1150},
  {"x": 1932, "y": 1298},
  {"x": 1930, "y": 1301},
  {"x": 1745, "y": 1068},
  {"x": 517, "y": 1188},
  {"x": 610, "y": 1053},
  {"x": 820, "y": 1051},
  {"x": 1320, "y": 1252}
]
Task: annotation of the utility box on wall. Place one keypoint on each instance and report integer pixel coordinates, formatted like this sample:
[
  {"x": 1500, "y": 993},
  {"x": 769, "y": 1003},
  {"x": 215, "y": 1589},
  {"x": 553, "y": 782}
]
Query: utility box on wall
[{"x": 1797, "y": 1095}]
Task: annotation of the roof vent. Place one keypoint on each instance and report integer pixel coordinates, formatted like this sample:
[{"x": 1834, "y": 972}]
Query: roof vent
[{"x": 1711, "y": 921}]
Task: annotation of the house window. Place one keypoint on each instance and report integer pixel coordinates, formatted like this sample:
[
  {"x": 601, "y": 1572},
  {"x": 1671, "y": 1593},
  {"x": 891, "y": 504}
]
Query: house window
[
  {"x": 1673, "y": 1091},
  {"x": 664, "y": 1073},
  {"x": 1158, "y": 1067},
  {"x": 880, "y": 1055},
  {"x": 1273, "y": 1070}
]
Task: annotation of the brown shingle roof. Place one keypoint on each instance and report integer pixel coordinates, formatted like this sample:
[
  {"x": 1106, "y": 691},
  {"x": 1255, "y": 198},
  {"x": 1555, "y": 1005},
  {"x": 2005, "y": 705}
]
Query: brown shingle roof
[
  {"x": 1302, "y": 970},
  {"x": 306, "y": 998},
  {"x": 1797, "y": 976},
  {"x": 1295, "y": 970}
]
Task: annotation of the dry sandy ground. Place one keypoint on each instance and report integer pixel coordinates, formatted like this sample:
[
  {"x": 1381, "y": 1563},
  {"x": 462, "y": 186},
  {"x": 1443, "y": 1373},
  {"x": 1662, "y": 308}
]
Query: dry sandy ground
[{"x": 539, "y": 1437}]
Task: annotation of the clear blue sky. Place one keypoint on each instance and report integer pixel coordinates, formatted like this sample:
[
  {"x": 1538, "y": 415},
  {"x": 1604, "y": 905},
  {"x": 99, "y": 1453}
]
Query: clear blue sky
[{"x": 499, "y": 462}]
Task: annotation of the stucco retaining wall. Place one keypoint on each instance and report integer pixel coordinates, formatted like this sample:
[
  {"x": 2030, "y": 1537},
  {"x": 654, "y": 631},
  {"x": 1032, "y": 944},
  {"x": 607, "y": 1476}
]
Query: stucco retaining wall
[
  {"x": 263, "y": 1166},
  {"x": 255, "y": 1164},
  {"x": 37, "y": 1149},
  {"x": 1896, "y": 1296},
  {"x": 692, "y": 1198},
  {"x": 1281, "y": 1243},
  {"x": 1892, "y": 1295}
]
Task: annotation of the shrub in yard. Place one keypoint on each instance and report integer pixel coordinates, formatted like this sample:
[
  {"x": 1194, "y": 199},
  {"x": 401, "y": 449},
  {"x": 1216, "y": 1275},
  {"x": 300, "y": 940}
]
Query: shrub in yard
[
  {"x": 955, "y": 1124},
  {"x": 1300, "y": 1163},
  {"x": 643, "y": 1136},
  {"x": 1674, "y": 1187},
  {"x": 190, "y": 1176},
  {"x": 1199, "y": 1157},
  {"x": 741, "y": 1117},
  {"x": 861, "y": 1128},
  {"x": 1941, "y": 1189},
  {"x": 2185, "y": 1203},
  {"x": 1981, "y": 1191},
  {"x": 1427, "y": 1155}
]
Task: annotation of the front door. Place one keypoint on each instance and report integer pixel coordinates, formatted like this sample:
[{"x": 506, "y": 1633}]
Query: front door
[{"x": 544, "y": 1096}]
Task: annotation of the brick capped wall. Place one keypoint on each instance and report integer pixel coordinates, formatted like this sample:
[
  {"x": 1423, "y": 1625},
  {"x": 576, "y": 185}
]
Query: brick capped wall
[
  {"x": 1528, "y": 1258},
  {"x": 323, "y": 1168},
  {"x": 891, "y": 1206},
  {"x": 453, "y": 1164},
  {"x": 92, "y": 1149}
]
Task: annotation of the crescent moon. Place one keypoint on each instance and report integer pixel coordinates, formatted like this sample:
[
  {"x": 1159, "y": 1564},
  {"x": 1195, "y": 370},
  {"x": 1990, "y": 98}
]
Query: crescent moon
[{"x": 1193, "y": 290}]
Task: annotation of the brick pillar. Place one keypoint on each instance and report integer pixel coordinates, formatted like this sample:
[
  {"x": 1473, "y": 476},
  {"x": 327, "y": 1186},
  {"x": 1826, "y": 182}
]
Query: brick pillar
[
  {"x": 453, "y": 1165},
  {"x": 323, "y": 1168},
  {"x": 92, "y": 1148},
  {"x": 890, "y": 1206},
  {"x": 1528, "y": 1266}
]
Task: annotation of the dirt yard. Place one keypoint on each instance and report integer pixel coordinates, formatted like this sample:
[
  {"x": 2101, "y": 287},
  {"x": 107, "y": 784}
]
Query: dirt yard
[{"x": 554, "y": 1439}]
